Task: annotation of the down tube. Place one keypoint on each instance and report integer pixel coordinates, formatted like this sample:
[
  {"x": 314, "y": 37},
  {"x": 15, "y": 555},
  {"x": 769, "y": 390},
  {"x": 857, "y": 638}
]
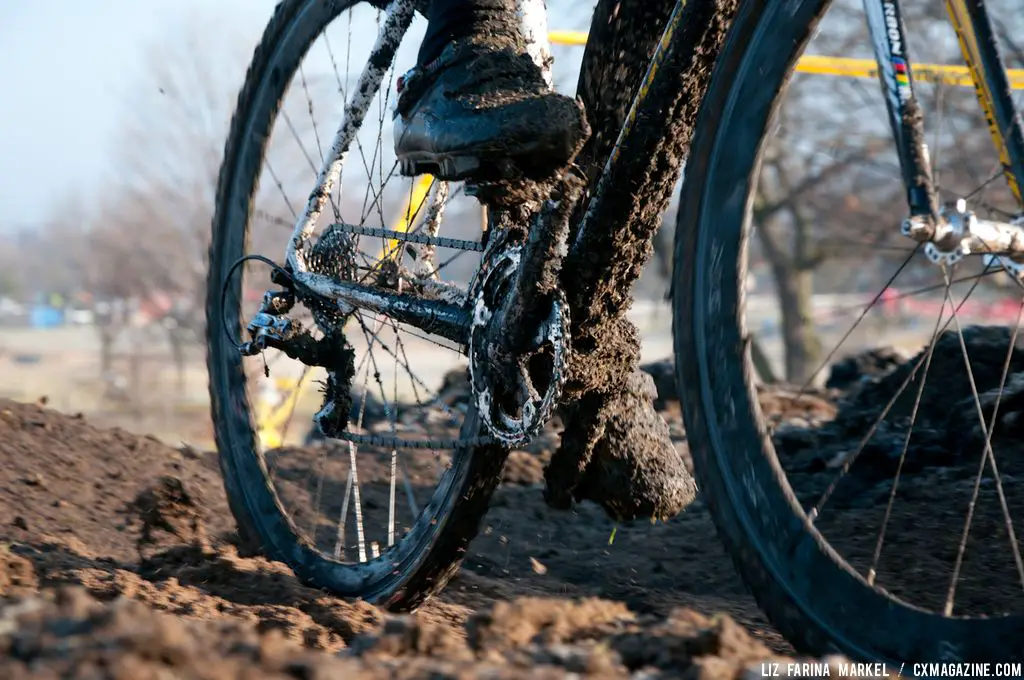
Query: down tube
[
  {"x": 978, "y": 43},
  {"x": 889, "y": 40}
]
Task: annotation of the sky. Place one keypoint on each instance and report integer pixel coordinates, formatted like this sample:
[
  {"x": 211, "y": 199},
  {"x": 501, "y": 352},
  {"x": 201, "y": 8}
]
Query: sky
[{"x": 65, "y": 73}]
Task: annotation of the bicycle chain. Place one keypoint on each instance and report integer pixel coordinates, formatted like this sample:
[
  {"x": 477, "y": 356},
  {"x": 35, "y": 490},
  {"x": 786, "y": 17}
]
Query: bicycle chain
[
  {"x": 410, "y": 237},
  {"x": 398, "y": 442},
  {"x": 390, "y": 234}
]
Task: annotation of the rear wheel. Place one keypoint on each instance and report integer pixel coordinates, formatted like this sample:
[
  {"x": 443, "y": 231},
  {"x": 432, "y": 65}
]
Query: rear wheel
[
  {"x": 386, "y": 518},
  {"x": 826, "y": 591}
]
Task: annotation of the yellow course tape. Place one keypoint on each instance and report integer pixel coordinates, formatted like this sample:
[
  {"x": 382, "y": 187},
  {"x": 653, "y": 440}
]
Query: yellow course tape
[{"x": 949, "y": 74}]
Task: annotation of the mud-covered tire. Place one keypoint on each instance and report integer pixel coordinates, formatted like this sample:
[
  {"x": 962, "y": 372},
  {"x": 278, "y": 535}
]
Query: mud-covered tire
[
  {"x": 430, "y": 553},
  {"x": 806, "y": 589}
]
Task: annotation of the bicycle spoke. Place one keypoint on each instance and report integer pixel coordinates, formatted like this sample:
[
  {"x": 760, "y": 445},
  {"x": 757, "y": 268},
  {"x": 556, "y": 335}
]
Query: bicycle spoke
[
  {"x": 864, "y": 312},
  {"x": 988, "y": 455},
  {"x": 354, "y": 471},
  {"x": 872, "y": 572},
  {"x": 850, "y": 459}
]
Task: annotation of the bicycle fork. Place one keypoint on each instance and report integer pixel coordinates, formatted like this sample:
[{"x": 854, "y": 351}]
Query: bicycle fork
[{"x": 950, "y": 232}]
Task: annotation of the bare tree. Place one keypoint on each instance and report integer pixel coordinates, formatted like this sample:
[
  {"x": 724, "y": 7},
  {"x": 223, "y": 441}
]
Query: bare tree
[{"x": 170, "y": 146}]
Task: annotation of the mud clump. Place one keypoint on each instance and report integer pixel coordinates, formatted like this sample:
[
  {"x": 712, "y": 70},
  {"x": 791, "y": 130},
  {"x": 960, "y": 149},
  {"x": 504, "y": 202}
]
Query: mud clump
[
  {"x": 623, "y": 459},
  {"x": 873, "y": 363}
]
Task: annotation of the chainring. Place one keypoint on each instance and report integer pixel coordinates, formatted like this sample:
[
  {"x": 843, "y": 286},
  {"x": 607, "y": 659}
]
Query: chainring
[{"x": 513, "y": 421}]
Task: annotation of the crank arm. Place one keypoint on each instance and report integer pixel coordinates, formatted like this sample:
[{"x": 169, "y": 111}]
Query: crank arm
[{"x": 539, "y": 270}]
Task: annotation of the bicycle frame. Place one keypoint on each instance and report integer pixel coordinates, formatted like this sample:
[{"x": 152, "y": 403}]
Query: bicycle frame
[{"x": 956, "y": 233}]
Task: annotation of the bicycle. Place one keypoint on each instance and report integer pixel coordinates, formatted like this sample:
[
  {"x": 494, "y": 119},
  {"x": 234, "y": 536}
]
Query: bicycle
[{"x": 522, "y": 322}]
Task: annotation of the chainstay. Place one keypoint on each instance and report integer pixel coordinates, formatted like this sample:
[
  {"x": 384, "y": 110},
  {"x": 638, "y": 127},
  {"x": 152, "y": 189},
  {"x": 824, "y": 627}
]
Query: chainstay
[{"x": 398, "y": 442}]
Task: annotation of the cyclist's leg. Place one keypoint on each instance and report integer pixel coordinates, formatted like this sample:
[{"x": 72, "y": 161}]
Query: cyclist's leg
[{"x": 476, "y": 99}]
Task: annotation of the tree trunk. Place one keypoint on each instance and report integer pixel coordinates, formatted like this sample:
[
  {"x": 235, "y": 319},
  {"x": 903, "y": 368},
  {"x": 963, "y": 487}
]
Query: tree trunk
[
  {"x": 178, "y": 356},
  {"x": 762, "y": 364},
  {"x": 802, "y": 344},
  {"x": 106, "y": 350}
]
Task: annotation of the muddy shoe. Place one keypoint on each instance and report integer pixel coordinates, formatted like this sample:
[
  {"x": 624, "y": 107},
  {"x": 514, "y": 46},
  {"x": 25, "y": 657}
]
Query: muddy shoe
[{"x": 483, "y": 110}]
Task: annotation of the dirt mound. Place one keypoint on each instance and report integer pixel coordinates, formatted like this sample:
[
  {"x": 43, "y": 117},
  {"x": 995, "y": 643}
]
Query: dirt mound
[
  {"x": 587, "y": 636},
  {"x": 60, "y": 476},
  {"x": 81, "y": 501},
  {"x": 136, "y": 526},
  {"x": 199, "y": 582},
  {"x": 939, "y": 405},
  {"x": 949, "y": 386},
  {"x": 68, "y": 634},
  {"x": 17, "y": 575},
  {"x": 870, "y": 476},
  {"x": 168, "y": 507}
]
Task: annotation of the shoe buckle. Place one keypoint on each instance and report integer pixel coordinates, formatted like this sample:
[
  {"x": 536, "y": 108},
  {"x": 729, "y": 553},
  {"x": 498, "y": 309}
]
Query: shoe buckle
[{"x": 405, "y": 77}]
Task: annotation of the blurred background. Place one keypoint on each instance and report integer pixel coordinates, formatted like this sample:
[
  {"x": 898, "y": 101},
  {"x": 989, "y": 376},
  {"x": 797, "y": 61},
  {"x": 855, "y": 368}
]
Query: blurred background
[{"x": 114, "y": 120}]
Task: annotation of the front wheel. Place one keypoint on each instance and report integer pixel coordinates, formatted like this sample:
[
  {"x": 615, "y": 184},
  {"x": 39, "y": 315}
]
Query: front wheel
[{"x": 814, "y": 583}]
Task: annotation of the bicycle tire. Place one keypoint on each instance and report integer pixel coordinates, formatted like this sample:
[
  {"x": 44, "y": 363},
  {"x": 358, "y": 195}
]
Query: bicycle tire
[
  {"x": 430, "y": 554},
  {"x": 805, "y": 588}
]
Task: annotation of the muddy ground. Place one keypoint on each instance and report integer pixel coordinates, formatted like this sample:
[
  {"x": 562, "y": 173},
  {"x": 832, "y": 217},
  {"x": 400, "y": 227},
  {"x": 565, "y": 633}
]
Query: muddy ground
[{"x": 86, "y": 593}]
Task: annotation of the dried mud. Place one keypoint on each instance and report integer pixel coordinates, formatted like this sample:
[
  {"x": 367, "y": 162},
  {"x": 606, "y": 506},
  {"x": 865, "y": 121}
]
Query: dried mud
[{"x": 118, "y": 557}]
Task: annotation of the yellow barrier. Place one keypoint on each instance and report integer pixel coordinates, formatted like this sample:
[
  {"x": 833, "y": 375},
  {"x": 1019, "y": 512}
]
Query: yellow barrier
[
  {"x": 410, "y": 211},
  {"x": 271, "y": 418}
]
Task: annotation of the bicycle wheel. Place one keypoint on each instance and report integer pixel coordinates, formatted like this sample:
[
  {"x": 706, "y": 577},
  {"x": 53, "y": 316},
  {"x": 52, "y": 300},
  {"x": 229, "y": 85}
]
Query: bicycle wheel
[
  {"x": 423, "y": 508},
  {"x": 782, "y": 495}
]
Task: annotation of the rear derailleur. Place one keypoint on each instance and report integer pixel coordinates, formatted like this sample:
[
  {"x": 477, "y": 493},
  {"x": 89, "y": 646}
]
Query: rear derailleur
[{"x": 271, "y": 328}]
